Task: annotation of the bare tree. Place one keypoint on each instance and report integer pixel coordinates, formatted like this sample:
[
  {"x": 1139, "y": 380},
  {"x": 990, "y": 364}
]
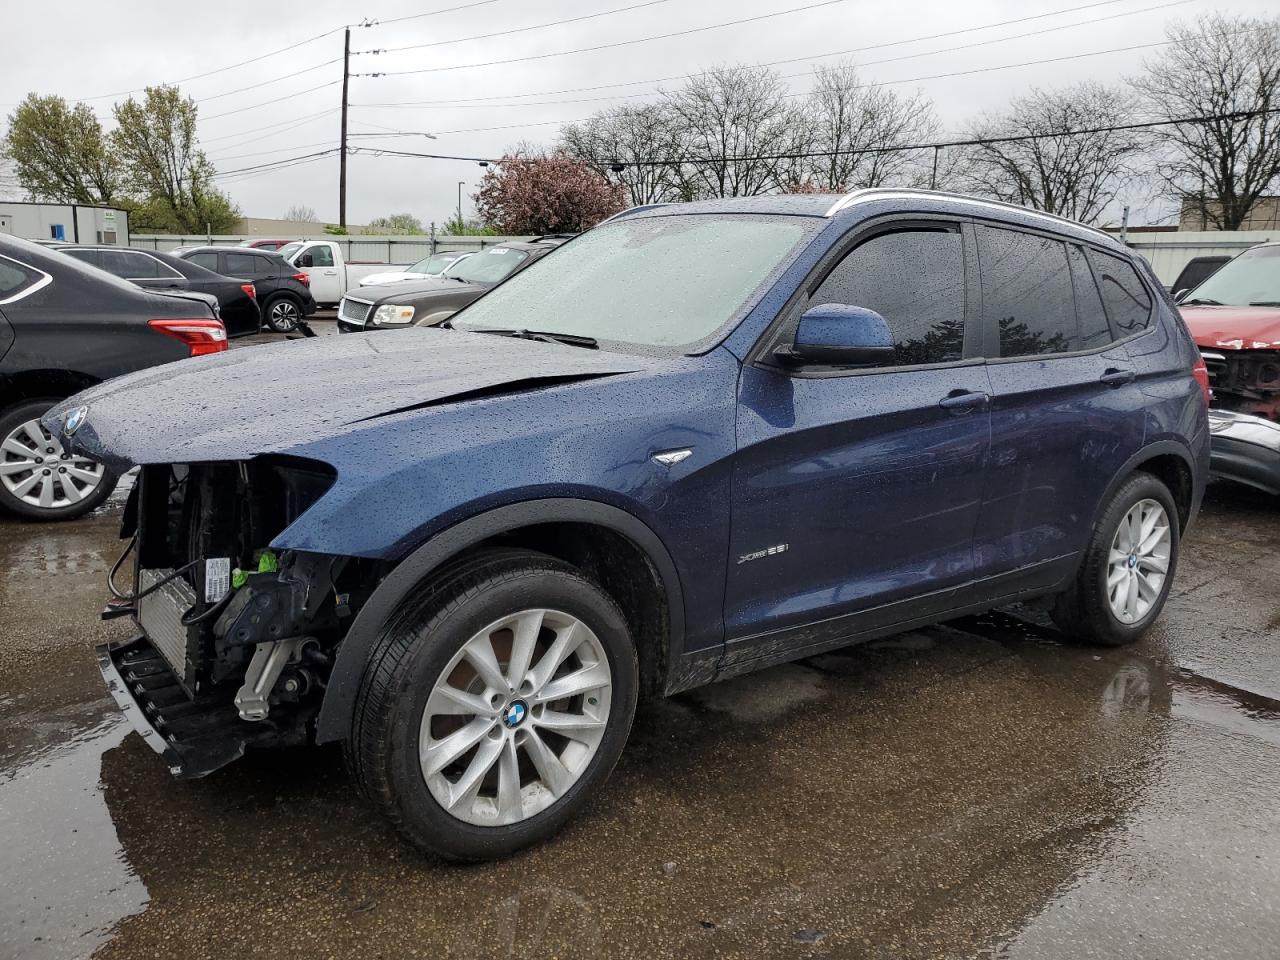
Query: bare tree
[
  {"x": 844, "y": 116},
  {"x": 301, "y": 214},
  {"x": 637, "y": 138},
  {"x": 1053, "y": 165},
  {"x": 736, "y": 128},
  {"x": 1227, "y": 67}
]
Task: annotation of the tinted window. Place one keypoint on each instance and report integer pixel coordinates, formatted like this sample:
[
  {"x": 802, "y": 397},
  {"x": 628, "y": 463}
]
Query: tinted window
[
  {"x": 245, "y": 265},
  {"x": 208, "y": 260},
  {"x": 14, "y": 277},
  {"x": 1094, "y": 331},
  {"x": 1026, "y": 287},
  {"x": 1126, "y": 298},
  {"x": 915, "y": 280},
  {"x": 143, "y": 267},
  {"x": 86, "y": 256},
  {"x": 117, "y": 262}
]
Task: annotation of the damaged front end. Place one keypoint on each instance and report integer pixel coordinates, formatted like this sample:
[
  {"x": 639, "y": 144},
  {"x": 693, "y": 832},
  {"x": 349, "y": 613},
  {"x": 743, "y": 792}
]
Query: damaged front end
[
  {"x": 1245, "y": 381},
  {"x": 236, "y": 642}
]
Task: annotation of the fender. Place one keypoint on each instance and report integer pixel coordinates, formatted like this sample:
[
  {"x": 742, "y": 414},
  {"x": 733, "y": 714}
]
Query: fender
[
  {"x": 334, "y": 722},
  {"x": 1157, "y": 448}
]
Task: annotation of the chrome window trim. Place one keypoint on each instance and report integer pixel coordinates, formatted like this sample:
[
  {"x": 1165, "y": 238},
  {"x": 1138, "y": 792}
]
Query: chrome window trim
[
  {"x": 44, "y": 281},
  {"x": 867, "y": 194}
]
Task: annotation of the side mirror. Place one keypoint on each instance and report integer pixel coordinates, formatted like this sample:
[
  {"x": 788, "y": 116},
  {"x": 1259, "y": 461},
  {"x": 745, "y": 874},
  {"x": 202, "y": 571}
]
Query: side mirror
[
  {"x": 838, "y": 335},
  {"x": 1181, "y": 295},
  {"x": 306, "y": 260}
]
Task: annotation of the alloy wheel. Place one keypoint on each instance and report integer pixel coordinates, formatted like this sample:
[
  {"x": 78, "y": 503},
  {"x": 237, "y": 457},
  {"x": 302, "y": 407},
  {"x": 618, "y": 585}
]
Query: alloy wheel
[
  {"x": 37, "y": 470},
  {"x": 284, "y": 315},
  {"x": 1138, "y": 562},
  {"x": 515, "y": 718}
]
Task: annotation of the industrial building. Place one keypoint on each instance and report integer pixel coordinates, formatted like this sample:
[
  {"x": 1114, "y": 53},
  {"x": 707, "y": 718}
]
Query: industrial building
[{"x": 72, "y": 222}]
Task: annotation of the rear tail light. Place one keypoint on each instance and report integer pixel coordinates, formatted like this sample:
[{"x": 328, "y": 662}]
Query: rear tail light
[
  {"x": 303, "y": 278},
  {"x": 1201, "y": 374},
  {"x": 250, "y": 289},
  {"x": 202, "y": 336}
]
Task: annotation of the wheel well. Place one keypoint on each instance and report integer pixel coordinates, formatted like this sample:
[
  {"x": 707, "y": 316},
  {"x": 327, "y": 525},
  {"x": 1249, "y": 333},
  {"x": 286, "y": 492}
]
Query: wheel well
[
  {"x": 41, "y": 383},
  {"x": 620, "y": 567},
  {"x": 1173, "y": 472}
]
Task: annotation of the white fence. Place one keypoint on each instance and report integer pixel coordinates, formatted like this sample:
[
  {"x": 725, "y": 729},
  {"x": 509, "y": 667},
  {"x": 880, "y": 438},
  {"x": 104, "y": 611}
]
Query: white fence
[
  {"x": 361, "y": 249},
  {"x": 1170, "y": 252}
]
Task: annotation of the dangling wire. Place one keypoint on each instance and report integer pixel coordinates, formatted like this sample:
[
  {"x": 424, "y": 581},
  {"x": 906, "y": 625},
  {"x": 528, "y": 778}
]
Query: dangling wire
[{"x": 135, "y": 597}]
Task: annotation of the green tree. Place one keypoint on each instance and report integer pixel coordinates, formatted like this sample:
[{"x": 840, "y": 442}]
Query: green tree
[
  {"x": 396, "y": 223},
  {"x": 60, "y": 152},
  {"x": 165, "y": 168}
]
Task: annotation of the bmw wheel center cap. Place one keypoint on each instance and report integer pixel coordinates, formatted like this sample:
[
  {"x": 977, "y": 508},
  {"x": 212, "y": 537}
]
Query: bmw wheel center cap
[{"x": 515, "y": 713}]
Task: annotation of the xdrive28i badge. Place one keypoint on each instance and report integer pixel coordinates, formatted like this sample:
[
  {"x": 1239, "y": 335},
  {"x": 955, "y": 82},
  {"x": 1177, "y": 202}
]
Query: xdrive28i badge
[{"x": 75, "y": 420}]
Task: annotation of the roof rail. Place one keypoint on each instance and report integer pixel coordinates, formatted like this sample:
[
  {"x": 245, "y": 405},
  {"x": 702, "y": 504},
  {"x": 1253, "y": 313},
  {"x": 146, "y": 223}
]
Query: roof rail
[{"x": 867, "y": 194}]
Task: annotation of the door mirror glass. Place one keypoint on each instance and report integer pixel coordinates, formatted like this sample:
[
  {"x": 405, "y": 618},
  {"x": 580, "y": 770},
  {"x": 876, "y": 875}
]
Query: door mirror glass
[
  {"x": 306, "y": 260},
  {"x": 1180, "y": 295},
  {"x": 840, "y": 335}
]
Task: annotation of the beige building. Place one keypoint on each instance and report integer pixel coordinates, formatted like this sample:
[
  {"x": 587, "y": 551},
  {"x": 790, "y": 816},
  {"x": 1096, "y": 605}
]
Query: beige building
[{"x": 1265, "y": 215}]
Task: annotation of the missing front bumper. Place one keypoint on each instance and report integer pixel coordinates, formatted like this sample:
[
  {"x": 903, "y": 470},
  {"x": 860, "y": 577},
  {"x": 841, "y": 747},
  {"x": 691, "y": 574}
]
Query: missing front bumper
[
  {"x": 1245, "y": 449},
  {"x": 193, "y": 737}
]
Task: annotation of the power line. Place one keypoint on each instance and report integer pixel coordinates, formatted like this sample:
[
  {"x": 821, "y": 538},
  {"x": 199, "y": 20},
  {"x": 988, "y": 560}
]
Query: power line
[
  {"x": 899, "y": 148},
  {"x": 267, "y": 83},
  {"x": 264, "y": 103},
  {"x": 277, "y": 164},
  {"x": 506, "y": 33},
  {"x": 273, "y": 127},
  {"x": 464, "y": 103},
  {"x": 610, "y": 46},
  {"x": 368, "y": 22}
]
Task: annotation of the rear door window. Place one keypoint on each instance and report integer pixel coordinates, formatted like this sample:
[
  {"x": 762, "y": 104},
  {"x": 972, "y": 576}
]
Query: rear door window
[
  {"x": 914, "y": 278},
  {"x": 1094, "y": 329},
  {"x": 86, "y": 256},
  {"x": 1127, "y": 300},
  {"x": 1027, "y": 293},
  {"x": 207, "y": 259},
  {"x": 246, "y": 265}
]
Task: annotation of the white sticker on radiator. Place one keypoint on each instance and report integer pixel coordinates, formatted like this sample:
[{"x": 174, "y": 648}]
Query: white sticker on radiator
[{"x": 217, "y": 578}]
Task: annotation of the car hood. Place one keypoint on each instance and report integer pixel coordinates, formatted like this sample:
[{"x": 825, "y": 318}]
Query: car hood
[
  {"x": 418, "y": 287},
  {"x": 280, "y": 397},
  {"x": 1234, "y": 328},
  {"x": 377, "y": 279}
]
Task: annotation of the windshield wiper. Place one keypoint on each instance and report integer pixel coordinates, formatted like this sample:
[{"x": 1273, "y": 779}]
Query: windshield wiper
[
  {"x": 1264, "y": 303},
  {"x": 1201, "y": 302},
  {"x": 571, "y": 339}
]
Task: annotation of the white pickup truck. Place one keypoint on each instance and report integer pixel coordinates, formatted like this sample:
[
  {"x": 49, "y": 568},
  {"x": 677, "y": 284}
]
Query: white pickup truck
[{"x": 331, "y": 273}]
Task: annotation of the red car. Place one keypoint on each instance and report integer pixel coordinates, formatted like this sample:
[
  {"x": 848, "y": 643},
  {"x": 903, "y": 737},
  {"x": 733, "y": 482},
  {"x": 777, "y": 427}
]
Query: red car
[
  {"x": 1234, "y": 317},
  {"x": 266, "y": 244}
]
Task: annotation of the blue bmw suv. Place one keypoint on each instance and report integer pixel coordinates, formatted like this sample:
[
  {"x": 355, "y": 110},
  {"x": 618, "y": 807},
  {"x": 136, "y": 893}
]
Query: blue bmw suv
[{"x": 695, "y": 441}]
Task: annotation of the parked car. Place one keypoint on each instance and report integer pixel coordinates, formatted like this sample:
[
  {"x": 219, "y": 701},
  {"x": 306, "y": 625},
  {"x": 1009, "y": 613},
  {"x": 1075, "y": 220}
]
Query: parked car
[
  {"x": 1196, "y": 272},
  {"x": 433, "y": 300},
  {"x": 236, "y": 298},
  {"x": 65, "y": 326},
  {"x": 284, "y": 291},
  {"x": 262, "y": 244},
  {"x": 699, "y": 440},
  {"x": 431, "y": 266},
  {"x": 1235, "y": 319},
  {"x": 332, "y": 275}
]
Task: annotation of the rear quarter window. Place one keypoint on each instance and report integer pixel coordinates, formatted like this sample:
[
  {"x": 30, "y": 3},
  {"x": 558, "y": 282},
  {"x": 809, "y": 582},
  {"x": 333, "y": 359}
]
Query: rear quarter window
[{"x": 1128, "y": 303}]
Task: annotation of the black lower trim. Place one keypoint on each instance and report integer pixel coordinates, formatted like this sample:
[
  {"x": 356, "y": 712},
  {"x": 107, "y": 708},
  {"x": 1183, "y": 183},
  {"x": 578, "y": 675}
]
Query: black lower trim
[{"x": 1247, "y": 463}]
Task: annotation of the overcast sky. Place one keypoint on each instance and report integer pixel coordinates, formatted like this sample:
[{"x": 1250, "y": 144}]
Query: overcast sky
[{"x": 85, "y": 50}]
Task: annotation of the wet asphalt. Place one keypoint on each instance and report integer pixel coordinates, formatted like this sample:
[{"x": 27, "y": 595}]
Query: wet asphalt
[{"x": 978, "y": 789}]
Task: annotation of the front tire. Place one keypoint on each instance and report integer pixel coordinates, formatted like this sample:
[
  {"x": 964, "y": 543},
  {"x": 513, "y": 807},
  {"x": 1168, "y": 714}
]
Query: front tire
[
  {"x": 38, "y": 479},
  {"x": 495, "y": 703},
  {"x": 1128, "y": 567}
]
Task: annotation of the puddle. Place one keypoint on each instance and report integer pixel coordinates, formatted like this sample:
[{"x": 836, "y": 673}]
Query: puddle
[
  {"x": 1218, "y": 704},
  {"x": 66, "y": 881}
]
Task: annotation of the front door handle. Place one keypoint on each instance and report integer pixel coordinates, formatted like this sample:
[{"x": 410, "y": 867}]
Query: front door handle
[
  {"x": 962, "y": 401},
  {"x": 1115, "y": 377}
]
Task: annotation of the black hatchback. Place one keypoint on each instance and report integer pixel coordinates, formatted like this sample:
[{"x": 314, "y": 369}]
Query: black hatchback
[
  {"x": 284, "y": 292},
  {"x": 237, "y": 298}
]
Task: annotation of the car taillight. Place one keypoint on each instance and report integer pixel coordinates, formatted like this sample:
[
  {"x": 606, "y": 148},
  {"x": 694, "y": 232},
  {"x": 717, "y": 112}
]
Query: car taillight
[
  {"x": 303, "y": 278},
  {"x": 1201, "y": 374},
  {"x": 250, "y": 289},
  {"x": 202, "y": 336}
]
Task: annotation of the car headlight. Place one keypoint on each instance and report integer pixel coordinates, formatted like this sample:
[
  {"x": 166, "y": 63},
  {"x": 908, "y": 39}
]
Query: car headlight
[{"x": 393, "y": 315}]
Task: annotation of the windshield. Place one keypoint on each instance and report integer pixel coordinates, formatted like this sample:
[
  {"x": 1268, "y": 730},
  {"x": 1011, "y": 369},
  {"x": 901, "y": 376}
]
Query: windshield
[
  {"x": 289, "y": 249},
  {"x": 668, "y": 281},
  {"x": 1253, "y": 277},
  {"x": 433, "y": 264},
  {"x": 488, "y": 266}
]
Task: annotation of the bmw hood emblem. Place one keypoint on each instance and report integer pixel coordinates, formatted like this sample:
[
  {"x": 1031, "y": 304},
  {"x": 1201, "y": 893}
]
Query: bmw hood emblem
[
  {"x": 515, "y": 713},
  {"x": 75, "y": 420}
]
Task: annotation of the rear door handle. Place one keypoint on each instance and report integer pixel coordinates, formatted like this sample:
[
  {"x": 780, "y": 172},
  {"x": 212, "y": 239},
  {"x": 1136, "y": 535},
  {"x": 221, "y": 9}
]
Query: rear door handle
[
  {"x": 961, "y": 401},
  {"x": 1115, "y": 377}
]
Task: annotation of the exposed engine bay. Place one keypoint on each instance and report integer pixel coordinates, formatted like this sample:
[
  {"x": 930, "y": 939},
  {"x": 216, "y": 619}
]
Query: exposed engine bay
[
  {"x": 237, "y": 640},
  {"x": 1245, "y": 381}
]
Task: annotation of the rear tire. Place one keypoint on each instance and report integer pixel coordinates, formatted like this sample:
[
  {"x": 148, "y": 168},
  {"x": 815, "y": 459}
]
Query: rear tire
[
  {"x": 430, "y": 687},
  {"x": 282, "y": 313},
  {"x": 38, "y": 481},
  {"x": 1128, "y": 567}
]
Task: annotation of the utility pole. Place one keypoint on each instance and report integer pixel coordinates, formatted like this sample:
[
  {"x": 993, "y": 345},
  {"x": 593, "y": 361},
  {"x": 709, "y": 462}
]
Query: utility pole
[
  {"x": 342, "y": 151},
  {"x": 461, "y": 184}
]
